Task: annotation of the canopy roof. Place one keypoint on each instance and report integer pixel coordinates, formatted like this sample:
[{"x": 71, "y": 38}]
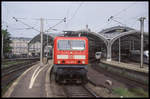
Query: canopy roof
[{"x": 99, "y": 38}]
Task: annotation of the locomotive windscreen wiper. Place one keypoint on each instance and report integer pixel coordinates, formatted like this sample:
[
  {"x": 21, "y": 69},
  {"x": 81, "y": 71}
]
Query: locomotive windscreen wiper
[{"x": 69, "y": 43}]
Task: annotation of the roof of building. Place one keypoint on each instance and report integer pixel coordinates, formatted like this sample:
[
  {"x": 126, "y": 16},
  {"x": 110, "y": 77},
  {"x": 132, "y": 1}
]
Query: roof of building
[
  {"x": 21, "y": 38},
  {"x": 112, "y": 32}
]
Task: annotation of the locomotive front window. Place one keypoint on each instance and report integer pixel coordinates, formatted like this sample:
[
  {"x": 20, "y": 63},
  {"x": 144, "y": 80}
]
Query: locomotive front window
[
  {"x": 63, "y": 45},
  {"x": 71, "y": 44}
]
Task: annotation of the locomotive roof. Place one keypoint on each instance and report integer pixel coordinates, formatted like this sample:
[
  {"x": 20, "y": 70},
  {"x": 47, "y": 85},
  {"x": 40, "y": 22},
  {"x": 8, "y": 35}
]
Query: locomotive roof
[{"x": 60, "y": 37}]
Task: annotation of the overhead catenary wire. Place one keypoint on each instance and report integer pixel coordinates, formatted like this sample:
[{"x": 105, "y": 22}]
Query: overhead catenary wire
[
  {"x": 30, "y": 27},
  {"x": 69, "y": 20},
  {"x": 136, "y": 17},
  {"x": 17, "y": 28},
  {"x": 135, "y": 21},
  {"x": 51, "y": 19},
  {"x": 102, "y": 26},
  {"x": 56, "y": 24},
  {"x": 129, "y": 6},
  {"x": 67, "y": 15},
  {"x": 22, "y": 28},
  {"x": 45, "y": 19},
  {"x": 112, "y": 17},
  {"x": 117, "y": 21},
  {"x": 25, "y": 24}
]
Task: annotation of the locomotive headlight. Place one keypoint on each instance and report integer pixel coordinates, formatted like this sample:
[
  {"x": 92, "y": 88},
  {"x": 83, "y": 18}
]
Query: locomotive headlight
[
  {"x": 83, "y": 62},
  {"x": 58, "y": 62}
]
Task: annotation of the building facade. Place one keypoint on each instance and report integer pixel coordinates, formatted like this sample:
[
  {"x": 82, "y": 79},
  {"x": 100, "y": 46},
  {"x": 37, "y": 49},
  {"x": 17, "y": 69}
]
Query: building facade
[{"x": 20, "y": 47}]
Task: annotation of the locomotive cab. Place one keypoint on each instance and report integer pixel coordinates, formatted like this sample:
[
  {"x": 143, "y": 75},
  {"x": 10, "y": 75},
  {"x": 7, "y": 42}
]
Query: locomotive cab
[{"x": 70, "y": 58}]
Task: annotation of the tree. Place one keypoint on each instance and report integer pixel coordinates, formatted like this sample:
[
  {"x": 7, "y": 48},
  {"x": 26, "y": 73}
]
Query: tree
[{"x": 6, "y": 42}]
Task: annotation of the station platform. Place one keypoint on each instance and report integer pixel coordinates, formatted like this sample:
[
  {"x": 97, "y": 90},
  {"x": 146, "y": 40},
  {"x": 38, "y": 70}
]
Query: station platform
[
  {"x": 131, "y": 66},
  {"x": 32, "y": 82}
]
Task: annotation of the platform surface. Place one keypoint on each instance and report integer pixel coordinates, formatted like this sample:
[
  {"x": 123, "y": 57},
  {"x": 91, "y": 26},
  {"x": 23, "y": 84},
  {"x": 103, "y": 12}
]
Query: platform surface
[
  {"x": 31, "y": 83},
  {"x": 131, "y": 66}
]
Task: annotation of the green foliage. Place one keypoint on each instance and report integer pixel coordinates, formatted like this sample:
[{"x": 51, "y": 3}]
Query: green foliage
[
  {"x": 6, "y": 42},
  {"x": 134, "y": 92},
  {"x": 140, "y": 92},
  {"x": 123, "y": 92}
]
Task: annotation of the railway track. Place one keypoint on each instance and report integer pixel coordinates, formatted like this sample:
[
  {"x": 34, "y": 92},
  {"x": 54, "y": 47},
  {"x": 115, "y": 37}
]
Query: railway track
[
  {"x": 130, "y": 83},
  {"x": 13, "y": 67},
  {"x": 78, "y": 91},
  {"x": 19, "y": 59},
  {"x": 70, "y": 89},
  {"x": 11, "y": 73}
]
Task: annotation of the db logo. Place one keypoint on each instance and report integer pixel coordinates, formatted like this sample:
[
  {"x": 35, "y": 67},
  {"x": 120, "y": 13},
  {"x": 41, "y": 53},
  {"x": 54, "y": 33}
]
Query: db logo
[{"x": 71, "y": 57}]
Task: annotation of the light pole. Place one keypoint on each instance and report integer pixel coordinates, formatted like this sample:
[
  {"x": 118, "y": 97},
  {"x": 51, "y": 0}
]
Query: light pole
[
  {"x": 47, "y": 44},
  {"x": 41, "y": 33},
  {"x": 119, "y": 50},
  {"x": 41, "y": 55},
  {"x": 3, "y": 42},
  {"x": 142, "y": 30},
  {"x": 2, "y": 46}
]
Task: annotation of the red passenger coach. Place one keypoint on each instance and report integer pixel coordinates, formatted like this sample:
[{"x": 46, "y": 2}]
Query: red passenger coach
[{"x": 70, "y": 58}]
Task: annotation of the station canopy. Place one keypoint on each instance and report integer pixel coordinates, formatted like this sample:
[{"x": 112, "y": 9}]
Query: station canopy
[
  {"x": 96, "y": 39},
  {"x": 110, "y": 35},
  {"x": 120, "y": 31},
  {"x": 46, "y": 38}
]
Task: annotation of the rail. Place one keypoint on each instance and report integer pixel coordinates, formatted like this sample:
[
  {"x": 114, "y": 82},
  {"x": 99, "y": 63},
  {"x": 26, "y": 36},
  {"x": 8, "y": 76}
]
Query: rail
[
  {"x": 20, "y": 59},
  {"x": 126, "y": 80},
  {"x": 11, "y": 73},
  {"x": 78, "y": 91}
]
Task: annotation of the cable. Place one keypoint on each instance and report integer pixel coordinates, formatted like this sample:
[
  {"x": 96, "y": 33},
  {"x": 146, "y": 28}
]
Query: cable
[
  {"x": 25, "y": 24},
  {"x": 22, "y": 28},
  {"x": 55, "y": 25},
  {"x": 103, "y": 25},
  {"x": 112, "y": 17},
  {"x": 46, "y": 23},
  {"x": 118, "y": 22},
  {"x": 135, "y": 21},
  {"x": 67, "y": 15},
  {"x": 124, "y": 9},
  {"x": 75, "y": 12},
  {"x": 30, "y": 27}
]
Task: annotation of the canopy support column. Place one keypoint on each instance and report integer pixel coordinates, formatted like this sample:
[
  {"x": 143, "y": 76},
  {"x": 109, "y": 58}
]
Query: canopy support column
[{"x": 109, "y": 51}]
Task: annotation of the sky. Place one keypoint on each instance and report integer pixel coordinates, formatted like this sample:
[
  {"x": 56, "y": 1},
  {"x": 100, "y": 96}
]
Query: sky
[{"x": 78, "y": 15}]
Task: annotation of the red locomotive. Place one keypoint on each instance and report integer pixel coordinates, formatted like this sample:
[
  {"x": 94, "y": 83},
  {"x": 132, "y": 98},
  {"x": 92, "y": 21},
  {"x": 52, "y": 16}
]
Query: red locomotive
[{"x": 70, "y": 58}]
